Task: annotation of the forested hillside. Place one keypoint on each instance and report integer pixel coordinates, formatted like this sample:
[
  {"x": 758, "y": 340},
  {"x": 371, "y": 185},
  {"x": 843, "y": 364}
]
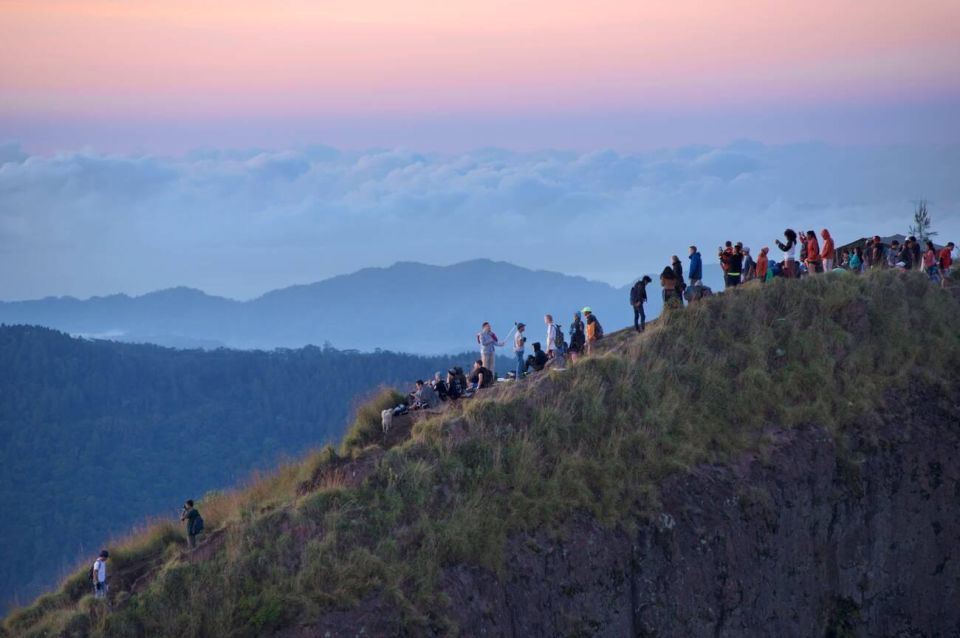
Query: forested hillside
[{"x": 96, "y": 435}]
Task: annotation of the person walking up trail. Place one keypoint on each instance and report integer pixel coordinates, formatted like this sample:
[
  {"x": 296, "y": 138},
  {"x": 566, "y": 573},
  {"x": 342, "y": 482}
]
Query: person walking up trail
[
  {"x": 695, "y": 271},
  {"x": 488, "y": 342},
  {"x": 578, "y": 337},
  {"x": 194, "y": 522},
  {"x": 98, "y": 575},
  {"x": 519, "y": 349},
  {"x": 594, "y": 330},
  {"x": 789, "y": 250},
  {"x": 828, "y": 252},
  {"x": 638, "y": 297}
]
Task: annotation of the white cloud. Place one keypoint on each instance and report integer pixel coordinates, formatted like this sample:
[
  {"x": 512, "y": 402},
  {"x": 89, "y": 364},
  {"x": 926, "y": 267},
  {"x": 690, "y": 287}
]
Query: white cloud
[{"x": 241, "y": 222}]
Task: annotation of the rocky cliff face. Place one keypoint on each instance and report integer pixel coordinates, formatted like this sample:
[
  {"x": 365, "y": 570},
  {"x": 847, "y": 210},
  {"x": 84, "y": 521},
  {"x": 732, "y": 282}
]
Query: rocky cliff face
[
  {"x": 807, "y": 538},
  {"x": 808, "y": 541}
]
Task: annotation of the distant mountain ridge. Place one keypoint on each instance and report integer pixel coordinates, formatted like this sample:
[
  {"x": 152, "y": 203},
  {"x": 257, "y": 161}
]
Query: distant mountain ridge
[{"x": 409, "y": 306}]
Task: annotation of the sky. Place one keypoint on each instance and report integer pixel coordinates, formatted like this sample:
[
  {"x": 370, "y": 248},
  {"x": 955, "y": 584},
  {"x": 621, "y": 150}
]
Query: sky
[{"x": 238, "y": 146}]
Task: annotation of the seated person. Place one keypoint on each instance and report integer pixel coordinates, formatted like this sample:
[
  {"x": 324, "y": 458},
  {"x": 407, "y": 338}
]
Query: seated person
[
  {"x": 425, "y": 397},
  {"x": 480, "y": 377},
  {"x": 440, "y": 386},
  {"x": 537, "y": 360},
  {"x": 454, "y": 387}
]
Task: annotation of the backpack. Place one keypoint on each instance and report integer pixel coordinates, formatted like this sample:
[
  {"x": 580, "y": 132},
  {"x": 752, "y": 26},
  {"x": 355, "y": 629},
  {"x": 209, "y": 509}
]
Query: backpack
[
  {"x": 635, "y": 294},
  {"x": 598, "y": 331},
  {"x": 460, "y": 377},
  {"x": 197, "y": 525},
  {"x": 558, "y": 337}
]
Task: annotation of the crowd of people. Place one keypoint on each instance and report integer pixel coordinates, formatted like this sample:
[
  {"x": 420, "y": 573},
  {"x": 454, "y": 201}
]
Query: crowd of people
[{"x": 802, "y": 253}]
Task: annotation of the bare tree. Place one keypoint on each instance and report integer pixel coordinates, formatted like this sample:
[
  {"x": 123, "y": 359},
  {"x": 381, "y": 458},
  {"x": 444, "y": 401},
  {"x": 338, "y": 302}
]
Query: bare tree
[{"x": 922, "y": 223}]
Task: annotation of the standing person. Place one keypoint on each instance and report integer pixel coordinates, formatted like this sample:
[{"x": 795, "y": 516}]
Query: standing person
[
  {"x": 812, "y": 258},
  {"x": 678, "y": 273},
  {"x": 638, "y": 297},
  {"x": 488, "y": 342},
  {"x": 789, "y": 250},
  {"x": 735, "y": 266},
  {"x": 555, "y": 341},
  {"x": 578, "y": 337},
  {"x": 194, "y": 521},
  {"x": 762, "y": 264},
  {"x": 892, "y": 254},
  {"x": 98, "y": 575},
  {"x": 696, "y": 267},
  {"x": 519, "y": 349},
  {"x": 905, "y": 256},
  {"x": 668, "y": 282},
  {"x": 827, "y": 252},
  {"x": 881, "y": 253},
  {"x": 946, "y": 263},
  {"x": 930, "y": 263},
  {"x": 749, "y": 266},
  {"x": 594, "y": 330},
  {"x": 916, "y": 253},
  {"x": 724, "y": 255}
]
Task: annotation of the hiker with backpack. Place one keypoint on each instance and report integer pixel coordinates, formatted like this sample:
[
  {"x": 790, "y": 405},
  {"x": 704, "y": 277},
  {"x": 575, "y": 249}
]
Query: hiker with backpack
[
  {"x": 594, "y": 330},
  {"x": 194, "y": 522},
  {"x": 519, "y": 341},
  {"x": 488, "y": 342},
  {"x": 578, "y": 337},
  {"x": 98, "y": 575},
  {"x": 695, "y": 271},
  {"x": 556, "y": 345},
  {"x": 638, "y": 297},
  {"x": 456, "y": 383}
]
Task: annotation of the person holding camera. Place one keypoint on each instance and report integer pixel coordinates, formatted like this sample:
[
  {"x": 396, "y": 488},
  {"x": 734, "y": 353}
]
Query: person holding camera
[{"x": 519, "y": 342}]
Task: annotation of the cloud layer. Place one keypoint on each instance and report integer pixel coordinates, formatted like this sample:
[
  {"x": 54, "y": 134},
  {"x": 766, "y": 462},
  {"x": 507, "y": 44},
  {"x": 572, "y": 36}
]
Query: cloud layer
[{"x": 240, "y": 222}]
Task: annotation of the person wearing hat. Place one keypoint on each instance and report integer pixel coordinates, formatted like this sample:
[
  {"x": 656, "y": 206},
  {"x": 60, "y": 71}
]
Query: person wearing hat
[
  {"x": 519, "y": 341},
  {"x": 98, "y": 574},
  {"x": 594, "y": 330}
]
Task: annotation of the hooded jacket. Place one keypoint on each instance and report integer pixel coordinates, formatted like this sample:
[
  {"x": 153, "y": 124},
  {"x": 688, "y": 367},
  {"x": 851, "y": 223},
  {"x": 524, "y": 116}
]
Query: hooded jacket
[
  {"x": 827, "y": 252},
  {"x": 813, "y": 249},
  {"x": 696, "y": 267},
  {"x": 762, "y": 264}
]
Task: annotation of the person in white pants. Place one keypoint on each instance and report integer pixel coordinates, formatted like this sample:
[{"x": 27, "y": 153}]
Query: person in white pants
[{"x": 553, "y": 351}]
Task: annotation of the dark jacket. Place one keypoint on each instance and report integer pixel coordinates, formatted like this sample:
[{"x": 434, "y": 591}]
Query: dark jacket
[
  {"x": 487, "y": 377},
  {"x": 696, "y": 266},
  {"x": 736, "y": 263},
  {"x": 678, "y": 273},
  {"x": 578, "y": 336},
  {"x": 638, "y": 294}
]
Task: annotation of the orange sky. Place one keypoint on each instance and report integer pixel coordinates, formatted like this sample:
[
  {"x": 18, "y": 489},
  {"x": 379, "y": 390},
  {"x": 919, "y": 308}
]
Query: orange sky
[{"x": 298, "y": 57}]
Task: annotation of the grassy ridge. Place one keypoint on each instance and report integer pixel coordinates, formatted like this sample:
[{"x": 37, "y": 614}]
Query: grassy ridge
[{"x": 702, "y": 386}]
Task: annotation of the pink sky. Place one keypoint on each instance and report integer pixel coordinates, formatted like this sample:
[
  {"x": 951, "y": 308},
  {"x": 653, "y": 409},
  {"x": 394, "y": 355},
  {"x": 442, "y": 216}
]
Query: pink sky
[{"x": 210, "y": 60}]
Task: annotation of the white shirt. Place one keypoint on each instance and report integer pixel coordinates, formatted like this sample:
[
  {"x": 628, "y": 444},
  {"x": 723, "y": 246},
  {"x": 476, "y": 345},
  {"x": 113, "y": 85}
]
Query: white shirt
[
  {"x": 518, "y": 341},
  {"x": 100, "y": 568},
  {"x": 551, "y": 337}
]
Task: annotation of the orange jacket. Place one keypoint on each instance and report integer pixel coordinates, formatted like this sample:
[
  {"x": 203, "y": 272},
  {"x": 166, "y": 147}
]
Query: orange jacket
[
  {"x": 827, "y": 252},
  {"x": 762, "y": 264},
  {"x": 813, "y": 249}
]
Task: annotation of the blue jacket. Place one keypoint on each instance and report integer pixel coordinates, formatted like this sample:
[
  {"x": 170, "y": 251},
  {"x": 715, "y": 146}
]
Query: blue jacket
[{"x": 696, "y": 267}]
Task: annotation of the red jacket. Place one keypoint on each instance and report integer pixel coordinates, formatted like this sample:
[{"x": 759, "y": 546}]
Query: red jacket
[{"x": 813, "y": 249}]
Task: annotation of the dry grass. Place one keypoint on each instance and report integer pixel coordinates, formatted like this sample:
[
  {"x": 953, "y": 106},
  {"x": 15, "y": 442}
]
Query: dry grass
[{"x": 699, "y": 387}]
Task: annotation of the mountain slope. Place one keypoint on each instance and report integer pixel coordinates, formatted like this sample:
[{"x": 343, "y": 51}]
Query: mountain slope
[
  {"x": 781, "y": 459},
  {"x": 97, "y": 435},
  {"x": 407, "y": 307}
]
